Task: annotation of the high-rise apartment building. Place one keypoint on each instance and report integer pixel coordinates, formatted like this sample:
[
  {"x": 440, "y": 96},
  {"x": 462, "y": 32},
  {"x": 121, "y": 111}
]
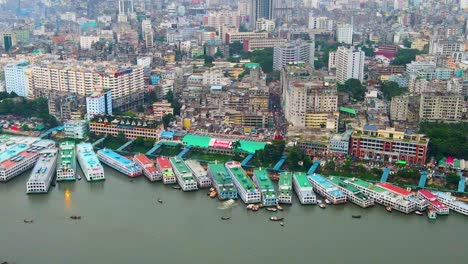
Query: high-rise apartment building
[
  {"x": 445, "y": 47},
  {"x": 349, "y": 64},
  {"x": 293, "y": 52},
  {"x": 15, "y": 78},
  {"x": 260, "y": 9},
  {"x": 344, "y": 33},
  {"x": 320, "y": 23},
  {"x": 447, "y": 107},
  {"x": 219, "y": 19},
  {"x": 99, "y": 103}
]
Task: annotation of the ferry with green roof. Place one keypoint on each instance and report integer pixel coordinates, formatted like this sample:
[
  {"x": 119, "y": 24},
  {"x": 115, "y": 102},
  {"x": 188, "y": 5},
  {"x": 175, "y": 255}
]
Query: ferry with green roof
[
  {"x": 66, "y": 165},
  {"x": 266, "y": 187},
  {"x": 246, "y": 189},
  {"x": 222, "y": 181},
  {"x": 119, "y": 162},
  {"x": 89, "y": 162},
  {"x": 285, "y": 188},
  {"x": 353, "y": 194},
  {"x": 303, "y": 188},
  {"x": 183, "y": 174}
]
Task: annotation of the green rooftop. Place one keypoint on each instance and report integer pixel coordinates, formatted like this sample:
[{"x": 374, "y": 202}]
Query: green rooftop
[
  {"x": 367, "y": 185},
  {"x": 263, "y": 180},
  {"x": 181, "y": 168},
  {"x": 251, "y": 146},
  {"x": 196, "y": 141},
  {"x": 221, "y": 176},
  {"x": 301, "y": 178},
  {"x": 243, "y": 178},
  {"x": 347, "y": 110},
  {"x": 67, "y": 156},
  {"x": 252, "y": 65},
  {"x": 347, "y": 186},
  {"x": 285, "y": 182}
]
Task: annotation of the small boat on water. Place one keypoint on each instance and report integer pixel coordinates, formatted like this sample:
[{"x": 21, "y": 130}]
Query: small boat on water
[
  {"x": 279, "y": 207},
  {"x": 78, "y": 177},
  {"x": 356, "y": 216},
  {"x": 389, "y": 209},
  {"x": 418, "y": 212},
  {"x": 53, "y": 184},
  {"x": 281, "y": 223},
  {"x": 327, "y": 201},
  {"x": 271, "y": 209},
  {"x": 177, "y": 187},
  {"x": 276, "y": 218},
  {"x": 76, "y": 217},
  {"x": 431, "y": 214},
  {"x": 28, "y": 221},
  {"x": 322, "y": 205},
  {"x": 319, "y": 201},
  {"x": 160, "y": 201},
  {"x": 225, "y": 217}
]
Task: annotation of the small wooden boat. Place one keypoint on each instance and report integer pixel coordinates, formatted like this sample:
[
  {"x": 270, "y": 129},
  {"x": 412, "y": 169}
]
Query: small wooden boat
[
  {"x": 281, "y": 224},
  {"x": 212, "y": 194},
  {"x": 76, "y": 217},
  {"x": 177, "y": 187},
  {"x": 160, "y": 201},
  {"x": 327, "y": 201},
  {"x": 28, "y": 221},
  {"x": 431, "y": 214},
  {"x": 225, "y": 217},
  {"x": 271, "y": 209},
  {"x": 356, "y": 216},
  {"x": 322, "y": 205},
  {"x": 78, "y": 177},
  {"x": 319, "y": 201},
  {"x": 276, "y": 218},
  {"x": 255, "y": 207},
  {"x": 279, "y": 207},
  {"x": 389, "y": 209},
  {"x": 418, "y": 212}
]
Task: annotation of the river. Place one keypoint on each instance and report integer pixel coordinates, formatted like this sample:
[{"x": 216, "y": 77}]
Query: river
[{"x": 123, "y": 223}]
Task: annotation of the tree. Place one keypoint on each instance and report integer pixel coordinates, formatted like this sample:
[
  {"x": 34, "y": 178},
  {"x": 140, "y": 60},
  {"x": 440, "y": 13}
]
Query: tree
[
  {"x": 209, "y": 61},
  {"x": 130, "y": 114},
  {"x": 265, "y": 58},
  {"x": 236, "y": 48},
  {"x": 236, "y": 145},
  {"x": 447, "y": 139},
  {"x": 405, "y": 56},
  {"x": 140, "y": 109},
  {"x": 353, "y": 87},
  {"x": 121, "y": 136},
  {"x": 149, "y": 142},
  {"x": 391, "y": 89},
  {"x": 407, "y": 43},
  {"x": 452, "y": 179},
  {"x": 139, "y": 141},
  {"x": 166, "y": 119},
  {"x": 219, "y": 54},
  {"x": 25, "y": 127}
]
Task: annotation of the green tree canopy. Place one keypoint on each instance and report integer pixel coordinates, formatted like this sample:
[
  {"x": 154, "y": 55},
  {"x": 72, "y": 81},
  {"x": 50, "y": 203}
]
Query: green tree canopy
[
  {"x": 391, "y": 89},
  {"x": 405, "y": 56},
  {"x": 264, "y": 57},
  {"x": 354, "y": 88},
  {"x": 446, "y": 139},
  {"x": 452, "y": 179},
  {"x": 166, "y": 120}
]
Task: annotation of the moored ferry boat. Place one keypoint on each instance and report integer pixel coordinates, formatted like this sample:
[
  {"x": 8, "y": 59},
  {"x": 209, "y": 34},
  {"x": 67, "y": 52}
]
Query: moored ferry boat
[
  {"x": 199, "y": 173},
  {"x": 16, "y": 160},
  {"x": 119, "y": 162},
  {"x": 452, "y": 203},
  {"x": 303, "y": 188},
  {"x": 163, "y": 165},
  {"x": 222, "y": 181},
  {"x": 285, "y": 188},
  {"x": 89, "y": 162},
  {"x": 353, "y": 194},
  {"x": 435, "y": 204},
  {"x": 246, "y": 189},
  {"x": 148, "y": 167},
  {"x": 265, "y": 185},
  {"x": 183, "y": 174},
  {"x": 327, "y": 189},
  {"x": 43, "y": 172},
  {"x": 66, "y": 165}
]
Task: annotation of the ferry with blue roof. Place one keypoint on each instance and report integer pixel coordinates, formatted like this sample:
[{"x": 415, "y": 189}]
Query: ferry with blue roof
[
  {"x": 303, "y": 188},
  {"x": 183, "y": 174},
  {"x": 285, "y": 188},
  {"x": 452, "y": 202},
  {"x": 246, "y": 189},
  {"x": 199, "y": 173},
  {"x": 119, "y": 162},
  {"x": 266, "y": 187},
  {"x": 353, "y": 194},
  {"x": 327, "y": 189},
  {"x": 89, "y": 163},
  {"x": 222, "y": 181},
  {"x": 43, "y": 173},
  {"x": 66, "y": 165}
]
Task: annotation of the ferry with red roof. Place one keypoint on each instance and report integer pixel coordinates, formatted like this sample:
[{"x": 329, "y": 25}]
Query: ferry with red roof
[
  {"x": 147, "y": 165},
  {"x": 163, "y": 165},
  {"x": 436, "y": 205},
  {"x": 16, "y": 160}
]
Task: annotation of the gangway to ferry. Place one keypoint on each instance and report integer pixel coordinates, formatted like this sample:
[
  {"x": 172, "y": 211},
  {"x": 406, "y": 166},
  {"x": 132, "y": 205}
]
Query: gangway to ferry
[
  {"x": 183, "y": 152},
  {"x": 154, "y": 148},
  {"x": 99, "y": 141},
  {"x": 48, "y": 132},
  {"x": 422, "y": 180},
  {"x": 385, "y": 174},
  {"x": 125, "y": 145},
  {"x": 314, "y": 167},
  {"x": 280, "y": 163},
  {"x": 461, "y": 183},
  {"x": 246, "y": 160}
]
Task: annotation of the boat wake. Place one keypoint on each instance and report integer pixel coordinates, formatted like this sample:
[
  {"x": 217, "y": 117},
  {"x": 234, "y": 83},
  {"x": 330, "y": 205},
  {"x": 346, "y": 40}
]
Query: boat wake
[{"x": 227, "y": 204}]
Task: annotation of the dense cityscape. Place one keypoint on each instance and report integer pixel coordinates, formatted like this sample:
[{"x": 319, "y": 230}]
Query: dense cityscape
[{"x": 267, "y": 102}]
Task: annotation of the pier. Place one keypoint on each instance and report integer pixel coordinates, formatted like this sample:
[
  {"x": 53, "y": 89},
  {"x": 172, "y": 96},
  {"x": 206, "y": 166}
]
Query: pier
[
  {"x": 246, "y": 160},
  {"x": 48, "y": 132},
  {"x": 314, "y": 167},
  {"x": 125, "y": 145},
  {"x": 183, "y": 152},
  {"x": 154, "y": 148},
  {"x": 422, "y": 180},
  {"x": 461, "y": 183},
  {"x": 97, "y": 142},
  {"x": 385, "y": 175},
  {"x": 280, "y": 163}
]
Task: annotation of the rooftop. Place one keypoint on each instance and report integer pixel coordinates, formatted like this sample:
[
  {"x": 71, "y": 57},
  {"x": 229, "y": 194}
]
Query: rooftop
[
  {"x": 196, "y": 168},
  {"x": 163, "y": 162},
  {"x": 395, "y": 189},
  {"x": 344, "y": 184},
  {"x": 367, "y": 185},
  {"x": 263, "y": 180},
  {"x": 241, "y": 176},
  {"x": 85, "y": 150},
  {"x": 67, "y": 155},
  {"x": 182, "y": 168},
  {"x": 6, "y": 154},
  {"x": 115, "y": 156},
  {"x": 220, "y": 174},
  {"x": 42, "y": 168},
  {"x": 301, "y": 178}
]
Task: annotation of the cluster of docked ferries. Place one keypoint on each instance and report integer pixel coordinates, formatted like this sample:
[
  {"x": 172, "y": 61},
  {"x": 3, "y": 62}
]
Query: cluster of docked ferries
[{"x": 227, "y": 181}]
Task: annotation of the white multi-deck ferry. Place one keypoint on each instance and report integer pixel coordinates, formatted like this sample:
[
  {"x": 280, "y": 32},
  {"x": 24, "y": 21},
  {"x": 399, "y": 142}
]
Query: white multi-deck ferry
[
  {"x": 285, "y": 188},
  {"x": 327, "y": 189},
  {"x": 452, "y": 202},
  {"x": 222, "y": 181},
  {"x": 353, "y": 194},
  {"x": 436, "y": 205},
  {"x": 265, "y": 185},
  {"x": 43, "y": 172},
  {"x": 246, "y": 189},
  {"x": 164, "y": 168},
  {"x": 90, "y": 164},
  {"x": 66, "y": 165},
  {"x": 183, "y": 174},
  {"x": 119, "y": 162},
  {"x": 303, "y": 188},
  {"x": 149, "y": 170},
  {"x": 199, "y": 173}
]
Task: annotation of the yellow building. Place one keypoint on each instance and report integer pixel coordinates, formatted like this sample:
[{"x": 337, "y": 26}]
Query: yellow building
[
  {"x": 419, "y": 44},
  {"x": 322, "y": 120}
]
